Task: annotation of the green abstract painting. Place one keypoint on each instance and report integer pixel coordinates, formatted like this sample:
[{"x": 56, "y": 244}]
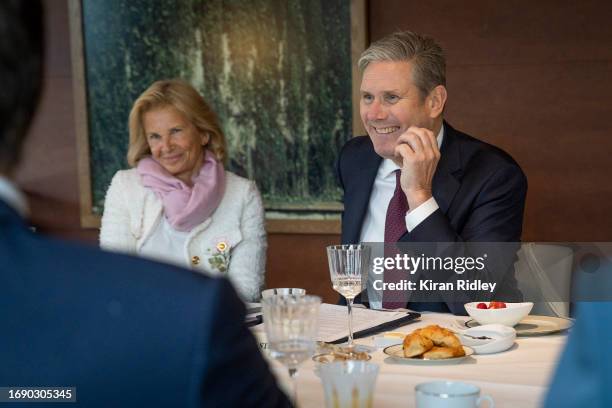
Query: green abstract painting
[{"x": 277, "y": 72}]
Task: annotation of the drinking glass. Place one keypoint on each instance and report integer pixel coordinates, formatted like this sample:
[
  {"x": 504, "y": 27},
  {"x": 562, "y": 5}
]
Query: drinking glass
[
  {"x": 291, "y": 327},
  {"x": 349, "y": 384},
  {"x": 348, "y": 268}
]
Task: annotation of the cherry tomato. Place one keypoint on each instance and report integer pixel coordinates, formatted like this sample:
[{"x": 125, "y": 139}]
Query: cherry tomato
[
  {"x": 481, "y": 306},
  {"x": 497, "y": 305}
]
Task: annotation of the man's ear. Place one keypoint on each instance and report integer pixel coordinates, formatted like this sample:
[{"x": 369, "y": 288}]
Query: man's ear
[{"x": 436, "y": 101}]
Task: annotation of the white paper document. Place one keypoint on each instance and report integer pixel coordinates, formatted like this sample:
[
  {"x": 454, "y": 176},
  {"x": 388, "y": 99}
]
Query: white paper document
[{"x": 333, "y": 320}]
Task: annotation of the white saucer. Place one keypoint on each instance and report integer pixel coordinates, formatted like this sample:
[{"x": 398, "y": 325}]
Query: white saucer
[{"x": 535, "y": 325}]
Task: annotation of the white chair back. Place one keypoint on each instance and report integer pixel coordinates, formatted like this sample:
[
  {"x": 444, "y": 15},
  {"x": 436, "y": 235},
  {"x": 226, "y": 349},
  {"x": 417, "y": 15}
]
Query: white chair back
[{"x": 544, "y": 273}]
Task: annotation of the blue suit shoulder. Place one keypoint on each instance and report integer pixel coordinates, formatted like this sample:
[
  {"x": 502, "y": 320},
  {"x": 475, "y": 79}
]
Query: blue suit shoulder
[
  {"x": 357, "y": 143},
  {"x": 124, "y": 320},
  {"x": 356, "y": 149},
  {"x": 479, "y": 154}
]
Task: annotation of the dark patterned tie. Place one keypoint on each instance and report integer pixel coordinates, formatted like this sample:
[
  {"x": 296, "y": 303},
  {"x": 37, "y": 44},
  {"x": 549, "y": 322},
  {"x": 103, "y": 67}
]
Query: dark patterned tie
[
  {"x": 395, "y": 228},
  {"x": 395, "y": 222}
]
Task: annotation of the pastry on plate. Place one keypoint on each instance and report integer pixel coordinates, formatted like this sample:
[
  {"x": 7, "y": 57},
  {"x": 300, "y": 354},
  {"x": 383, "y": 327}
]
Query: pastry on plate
[
  {"x": 432, "y": 343},
  {"x": 440, "y": 336},
  {"x": 415, "y": 344}
]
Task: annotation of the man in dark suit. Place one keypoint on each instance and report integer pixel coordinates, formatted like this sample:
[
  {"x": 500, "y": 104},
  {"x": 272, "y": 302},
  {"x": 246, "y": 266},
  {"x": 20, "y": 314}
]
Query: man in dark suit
[
  {"x": 123, "y": 331},
  {"x": 414, "y": 178}
]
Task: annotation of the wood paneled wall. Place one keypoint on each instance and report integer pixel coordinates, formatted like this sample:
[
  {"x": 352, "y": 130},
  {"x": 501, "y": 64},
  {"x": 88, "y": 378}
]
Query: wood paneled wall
[{"x": 530, "y": 77}]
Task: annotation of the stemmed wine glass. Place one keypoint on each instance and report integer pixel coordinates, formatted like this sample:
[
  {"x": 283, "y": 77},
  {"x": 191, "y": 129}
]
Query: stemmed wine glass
[
  {"x": 291, "y": 327},
  {"x": 348, "y": 267}
]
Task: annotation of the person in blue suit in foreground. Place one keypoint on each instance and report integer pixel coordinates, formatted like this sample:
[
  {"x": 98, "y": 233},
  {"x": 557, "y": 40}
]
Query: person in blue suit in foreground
[
  {"x": 584, "y": 375},
  {"x": 123, "y": 331}
]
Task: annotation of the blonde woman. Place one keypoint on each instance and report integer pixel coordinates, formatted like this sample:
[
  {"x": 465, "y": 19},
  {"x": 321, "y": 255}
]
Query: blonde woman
[{"x": 177, "y": 203}]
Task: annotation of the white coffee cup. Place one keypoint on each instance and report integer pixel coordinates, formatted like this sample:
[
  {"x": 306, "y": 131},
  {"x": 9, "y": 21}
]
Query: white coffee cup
[{"x": 449, "y": 394}]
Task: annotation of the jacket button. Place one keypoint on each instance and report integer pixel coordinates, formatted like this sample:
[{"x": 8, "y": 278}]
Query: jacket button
[{"x": 195, "y": 260}]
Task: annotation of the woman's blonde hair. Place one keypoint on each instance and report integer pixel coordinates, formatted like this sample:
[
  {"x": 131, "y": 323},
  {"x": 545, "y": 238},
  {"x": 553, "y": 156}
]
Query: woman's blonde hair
[{"x": 185, "y": 99}]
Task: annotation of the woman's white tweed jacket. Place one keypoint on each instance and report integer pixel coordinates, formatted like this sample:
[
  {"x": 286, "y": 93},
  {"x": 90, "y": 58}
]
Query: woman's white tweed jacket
[{"x": 132, "y": 211}]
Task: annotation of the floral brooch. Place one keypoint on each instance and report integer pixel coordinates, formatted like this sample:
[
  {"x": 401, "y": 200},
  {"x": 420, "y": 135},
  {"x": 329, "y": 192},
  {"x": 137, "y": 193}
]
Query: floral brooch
[{"x": 220, "y": 258}]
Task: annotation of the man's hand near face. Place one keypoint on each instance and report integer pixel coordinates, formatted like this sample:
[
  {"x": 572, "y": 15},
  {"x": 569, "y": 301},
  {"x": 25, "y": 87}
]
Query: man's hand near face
[{"x": 417, "y": 153}]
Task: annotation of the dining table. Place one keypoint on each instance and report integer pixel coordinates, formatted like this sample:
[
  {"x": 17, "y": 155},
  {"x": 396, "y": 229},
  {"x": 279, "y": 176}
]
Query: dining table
[{"x": 518, "y": 377}]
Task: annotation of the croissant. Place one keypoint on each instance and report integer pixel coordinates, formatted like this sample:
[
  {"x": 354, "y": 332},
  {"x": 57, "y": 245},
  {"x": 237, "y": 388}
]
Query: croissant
[
  {"x": 433, "y": 343},
  {"x": 440, "y": 336},
  {"x": 415, "y": 344}
]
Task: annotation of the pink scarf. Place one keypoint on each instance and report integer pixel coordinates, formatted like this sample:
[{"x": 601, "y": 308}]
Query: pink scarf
[{"x": 185, "y": 207}]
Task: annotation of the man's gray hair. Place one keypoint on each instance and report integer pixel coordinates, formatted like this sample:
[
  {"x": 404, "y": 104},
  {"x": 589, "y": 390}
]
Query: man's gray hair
[{"x": 427, "y": 57}]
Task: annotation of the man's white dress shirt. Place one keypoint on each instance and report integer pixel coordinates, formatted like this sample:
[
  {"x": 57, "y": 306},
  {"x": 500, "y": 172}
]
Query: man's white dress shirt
[
  {"x": 373, "y": 229},
  {"x": 13, "y": 197}
]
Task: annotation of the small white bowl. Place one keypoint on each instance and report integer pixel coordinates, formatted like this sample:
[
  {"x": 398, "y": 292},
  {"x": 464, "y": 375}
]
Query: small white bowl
[{"x": 508, "y": 316}]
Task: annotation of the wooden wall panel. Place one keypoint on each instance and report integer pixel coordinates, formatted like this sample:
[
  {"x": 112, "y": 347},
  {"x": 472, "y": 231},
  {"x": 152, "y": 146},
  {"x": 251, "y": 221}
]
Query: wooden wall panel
[{"x": 301, "y": 261}]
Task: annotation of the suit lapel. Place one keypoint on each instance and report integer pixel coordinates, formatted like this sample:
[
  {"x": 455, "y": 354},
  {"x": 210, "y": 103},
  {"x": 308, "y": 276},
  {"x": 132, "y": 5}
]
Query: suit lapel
[
  {"x": 360, "y": 184},
  {"x": 446, "y": 179}
]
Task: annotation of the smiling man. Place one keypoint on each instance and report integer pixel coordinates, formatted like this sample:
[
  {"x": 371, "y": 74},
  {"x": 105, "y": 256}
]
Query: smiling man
[{"x": 414, "y": 178}]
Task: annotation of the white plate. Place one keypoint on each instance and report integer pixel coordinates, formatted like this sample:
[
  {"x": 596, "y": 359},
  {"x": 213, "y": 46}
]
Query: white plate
[
  {"x": 397, "y": 353},
  {"x": 535, "y": 325}
]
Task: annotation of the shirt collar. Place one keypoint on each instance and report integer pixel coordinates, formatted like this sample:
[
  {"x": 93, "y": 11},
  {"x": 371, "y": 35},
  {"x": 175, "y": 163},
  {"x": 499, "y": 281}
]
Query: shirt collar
[
  {"x": 13, "y": 197},
  {"x": 388, "y": 166}
]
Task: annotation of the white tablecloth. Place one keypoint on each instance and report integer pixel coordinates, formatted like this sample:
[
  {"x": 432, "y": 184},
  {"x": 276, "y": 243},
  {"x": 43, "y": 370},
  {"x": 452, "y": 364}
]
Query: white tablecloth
[{"x": 515, "y": 378}]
